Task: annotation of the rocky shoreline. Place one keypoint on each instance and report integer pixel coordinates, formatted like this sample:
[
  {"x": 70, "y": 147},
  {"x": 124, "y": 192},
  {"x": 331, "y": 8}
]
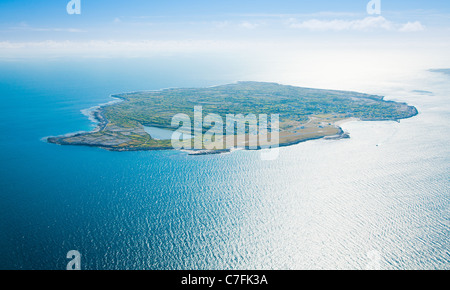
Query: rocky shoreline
[
  {"x": 131, "y": 136},
  {"x": 102, "y": 122}
]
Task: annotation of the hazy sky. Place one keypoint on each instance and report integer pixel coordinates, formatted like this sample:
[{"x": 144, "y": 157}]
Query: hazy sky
[
  {"x": 231, "y": 20},
  {"x": 320, "y": 38}
]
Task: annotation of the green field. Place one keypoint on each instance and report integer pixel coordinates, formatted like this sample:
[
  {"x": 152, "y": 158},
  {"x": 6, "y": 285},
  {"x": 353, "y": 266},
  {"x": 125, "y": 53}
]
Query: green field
[{"x": 304, "y": 113}]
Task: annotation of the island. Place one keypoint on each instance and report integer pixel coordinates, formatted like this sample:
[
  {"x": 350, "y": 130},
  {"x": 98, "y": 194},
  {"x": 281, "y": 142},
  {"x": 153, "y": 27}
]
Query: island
[{"x": 304, "y": 114}]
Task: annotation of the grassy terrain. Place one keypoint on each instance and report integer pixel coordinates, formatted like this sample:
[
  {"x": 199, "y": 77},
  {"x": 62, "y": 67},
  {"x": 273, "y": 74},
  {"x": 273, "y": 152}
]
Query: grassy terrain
[{"x": 304, "y": 113}]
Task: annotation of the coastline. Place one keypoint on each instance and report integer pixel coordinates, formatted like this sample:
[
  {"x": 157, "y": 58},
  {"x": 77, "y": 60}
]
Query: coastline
[
  {"x": 101, "y": 121},
  {"x": 342, "y": 122},
  {"x": 113, "y": 137},
  {"x": 97, "y": 116}
]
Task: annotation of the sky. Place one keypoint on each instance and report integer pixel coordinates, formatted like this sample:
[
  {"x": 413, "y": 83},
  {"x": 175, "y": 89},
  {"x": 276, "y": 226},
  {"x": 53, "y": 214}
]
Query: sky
[
  {"x": 285, "y": 34},
  {"x": 174, "y": 20}
]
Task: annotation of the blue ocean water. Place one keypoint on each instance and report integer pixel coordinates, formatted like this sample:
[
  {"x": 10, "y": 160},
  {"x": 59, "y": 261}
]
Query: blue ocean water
[{"x": 321, "y": 205}]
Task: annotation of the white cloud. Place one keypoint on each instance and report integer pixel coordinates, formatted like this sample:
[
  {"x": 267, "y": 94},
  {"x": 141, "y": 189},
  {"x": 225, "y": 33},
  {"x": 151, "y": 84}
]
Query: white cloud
[
  {"x": 368, "y": 23},
  {"x": 248, "y": 25},
  {"x": 114, "y": 48},
  {"x": 73, "y": 30},
  {"x": 25, "y": 27},
  {"x": 340, "y": 25},
  {"x": 412, "y": 27},
  {"x": 231, "y": 24},
  {"x": 221, "y": 24},
  {"x": 281, "y": 15}
]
